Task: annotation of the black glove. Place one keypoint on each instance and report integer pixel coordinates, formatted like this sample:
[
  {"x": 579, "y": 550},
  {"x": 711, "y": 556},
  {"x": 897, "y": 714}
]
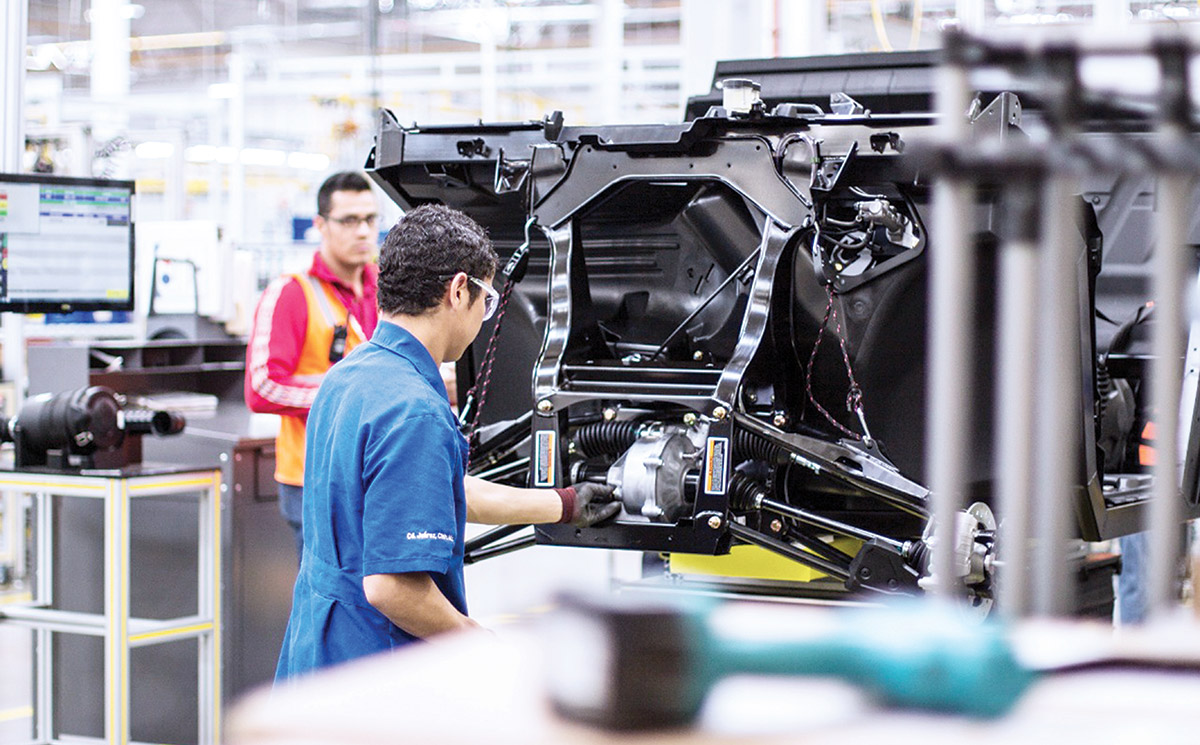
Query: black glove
[{"x": 586, "y": 504}]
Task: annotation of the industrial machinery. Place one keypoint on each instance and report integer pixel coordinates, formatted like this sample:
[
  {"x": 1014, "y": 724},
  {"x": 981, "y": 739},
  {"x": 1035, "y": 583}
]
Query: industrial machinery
[
  {"x": 726, "y": 319},
  {"x": 85, "y": 428}
]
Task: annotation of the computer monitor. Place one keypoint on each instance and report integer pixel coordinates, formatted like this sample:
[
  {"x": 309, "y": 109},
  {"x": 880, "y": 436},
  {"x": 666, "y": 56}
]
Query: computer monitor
[{"x": 66, "y": 244}]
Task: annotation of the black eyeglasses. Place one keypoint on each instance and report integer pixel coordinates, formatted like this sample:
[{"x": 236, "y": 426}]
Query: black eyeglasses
[{"x": 353, "y": 221}]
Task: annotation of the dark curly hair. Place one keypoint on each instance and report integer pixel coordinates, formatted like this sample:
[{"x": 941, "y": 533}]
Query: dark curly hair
[
  {"x": 423, "y": 251},
  {"x": 341, "y": 181}
]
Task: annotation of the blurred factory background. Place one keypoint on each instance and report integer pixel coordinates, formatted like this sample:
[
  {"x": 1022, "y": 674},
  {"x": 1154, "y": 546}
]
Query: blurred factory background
[{"x": 227, "y": 115}]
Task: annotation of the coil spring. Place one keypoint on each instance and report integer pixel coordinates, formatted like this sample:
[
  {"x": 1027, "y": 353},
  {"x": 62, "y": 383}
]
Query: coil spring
[
  {"x": 606, "y": 438},
  {"x": 744, "y": 492},
  {"x": 749, "y": 446}
]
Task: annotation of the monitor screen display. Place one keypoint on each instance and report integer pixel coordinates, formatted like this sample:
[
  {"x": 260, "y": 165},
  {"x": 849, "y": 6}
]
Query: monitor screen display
[{"x": 66, "y": 244}]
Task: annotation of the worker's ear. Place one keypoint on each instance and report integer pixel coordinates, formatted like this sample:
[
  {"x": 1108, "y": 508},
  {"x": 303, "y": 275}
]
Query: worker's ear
[
  {"x": 321, "y": 225},
  {"x": 458, "y": 292}
]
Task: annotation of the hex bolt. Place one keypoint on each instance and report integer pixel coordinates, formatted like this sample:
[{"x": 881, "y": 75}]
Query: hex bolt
[
  {"x": 544, "y": 406},
  {"x": 697, "y": 355},
  {"x": 714, "y": 522},
  {"x": 776, "y": 526},
  {"x": 689, "y": 419},
  {"x": 779, "y": 420},
  {"x": 610, "y": 414},
  {"x": 719, "y": 413}
]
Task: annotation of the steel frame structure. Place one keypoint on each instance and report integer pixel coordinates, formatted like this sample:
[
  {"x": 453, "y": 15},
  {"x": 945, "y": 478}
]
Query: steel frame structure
[{"x": 120, "y": 631}]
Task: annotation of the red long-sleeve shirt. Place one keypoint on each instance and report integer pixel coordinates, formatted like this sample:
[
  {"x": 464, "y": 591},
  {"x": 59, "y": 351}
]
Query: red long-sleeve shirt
[{"x": 277, "y": 339}]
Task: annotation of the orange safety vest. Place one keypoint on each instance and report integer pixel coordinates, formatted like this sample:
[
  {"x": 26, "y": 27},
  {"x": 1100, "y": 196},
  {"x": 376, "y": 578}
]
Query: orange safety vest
[{"x": 314, "y": 362}]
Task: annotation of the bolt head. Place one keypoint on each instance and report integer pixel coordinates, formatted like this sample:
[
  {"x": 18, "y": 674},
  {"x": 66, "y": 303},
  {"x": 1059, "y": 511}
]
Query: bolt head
[
  {"x": 714, "y": 522},
  {"x": 719, "y": 413},
  {"x": 545, "y": 406},
  {"x": 610, "y": 414},
  {"x": 689, "y": 419},
  {"x": 776, "y": 526},
  {"x": 779, "y": 420},
  {"x": 697, "y": 355}
]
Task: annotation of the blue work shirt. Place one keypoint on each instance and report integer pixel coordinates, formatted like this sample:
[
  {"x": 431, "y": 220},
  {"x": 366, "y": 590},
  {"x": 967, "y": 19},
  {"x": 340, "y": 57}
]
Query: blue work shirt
[{"x": 383, "y": 494}]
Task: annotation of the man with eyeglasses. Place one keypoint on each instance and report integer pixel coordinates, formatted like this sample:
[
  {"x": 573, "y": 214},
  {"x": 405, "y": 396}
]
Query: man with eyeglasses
[
  {"x": 386, "y": 495},
  {"x": 305, "y": 322}
]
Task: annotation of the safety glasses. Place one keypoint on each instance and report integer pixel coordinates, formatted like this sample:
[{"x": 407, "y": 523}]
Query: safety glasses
[{"x": 491, "y": 298}]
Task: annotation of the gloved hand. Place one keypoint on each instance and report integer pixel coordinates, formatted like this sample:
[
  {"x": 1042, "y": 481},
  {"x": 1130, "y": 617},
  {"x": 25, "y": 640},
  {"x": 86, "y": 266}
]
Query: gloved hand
[{"x": 586, "y": 504}]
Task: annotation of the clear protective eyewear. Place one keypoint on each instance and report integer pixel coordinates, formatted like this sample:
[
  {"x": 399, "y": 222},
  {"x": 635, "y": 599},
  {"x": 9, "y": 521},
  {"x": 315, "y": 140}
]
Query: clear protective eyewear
[{"x": 491, "y": 298}]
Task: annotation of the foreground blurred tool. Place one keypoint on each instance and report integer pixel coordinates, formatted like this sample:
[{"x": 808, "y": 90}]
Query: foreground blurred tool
[
  {"x": 640, "y": 665},
  {"x": 85, "y": 428}
]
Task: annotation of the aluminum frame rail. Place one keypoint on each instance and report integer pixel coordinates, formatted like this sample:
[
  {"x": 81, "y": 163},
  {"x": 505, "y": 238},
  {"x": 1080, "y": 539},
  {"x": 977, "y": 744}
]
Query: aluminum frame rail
[{"x": 115, "y": 624}]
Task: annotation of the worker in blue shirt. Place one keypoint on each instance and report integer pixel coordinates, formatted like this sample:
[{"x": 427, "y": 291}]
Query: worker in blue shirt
[{"x": 386, "y": 498}]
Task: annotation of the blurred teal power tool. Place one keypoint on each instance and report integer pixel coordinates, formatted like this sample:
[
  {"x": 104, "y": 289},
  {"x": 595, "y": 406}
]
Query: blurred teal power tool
[{"x": 647, "y": 664}]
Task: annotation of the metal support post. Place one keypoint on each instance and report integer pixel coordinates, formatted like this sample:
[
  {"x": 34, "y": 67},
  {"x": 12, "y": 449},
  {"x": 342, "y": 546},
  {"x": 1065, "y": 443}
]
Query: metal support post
[
  {"x": 208, "y": 605},
  {"x": 116, "y": 613},
  {"x": 1171, "y": 270},
  {"x": 1015, "y": 380},
  {"x": 1171, "y": 267},
  {"x": 13, "y": 30},
  {"x": 237, "y": 140},
  {"x": 43, "y": 680},
  {"x": 1057, "y": 437},
  {"x": 952, "y": 270}
]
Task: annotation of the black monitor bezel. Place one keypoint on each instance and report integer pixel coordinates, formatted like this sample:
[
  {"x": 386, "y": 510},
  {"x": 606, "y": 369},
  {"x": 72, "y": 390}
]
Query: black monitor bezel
[{"x": 88, "y": 304}]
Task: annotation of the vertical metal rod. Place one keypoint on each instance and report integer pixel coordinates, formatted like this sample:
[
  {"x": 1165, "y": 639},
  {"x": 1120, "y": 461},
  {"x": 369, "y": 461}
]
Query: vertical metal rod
[
  {"x": 14, "y": 24},
  {"x": 209, "y": 607},
  {"x": 14, "y": 21},
  {"x": 43, "y": 691},
  {"x": 236, "y": 196},
  {"x": 44, "y": 543},
  {"x": 952, "y": 270},
  {"x": 1015, "y": 383},
  {"x": 204, "y": 609},
  {"x": 1058, "y": 395},
  {"x": 1170, "y": 262},
  {"x": 43, "y": 706}
]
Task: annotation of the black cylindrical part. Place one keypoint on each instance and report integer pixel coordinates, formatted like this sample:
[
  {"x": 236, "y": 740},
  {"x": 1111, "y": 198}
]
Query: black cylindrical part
[
  {"x": 744, "y": 492},
  {"x": 141, "y": 421},
  {"x": 749, "y": 446},
  {"x": 606, "y": 438},
  {"x": 83, "y": 420}
]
